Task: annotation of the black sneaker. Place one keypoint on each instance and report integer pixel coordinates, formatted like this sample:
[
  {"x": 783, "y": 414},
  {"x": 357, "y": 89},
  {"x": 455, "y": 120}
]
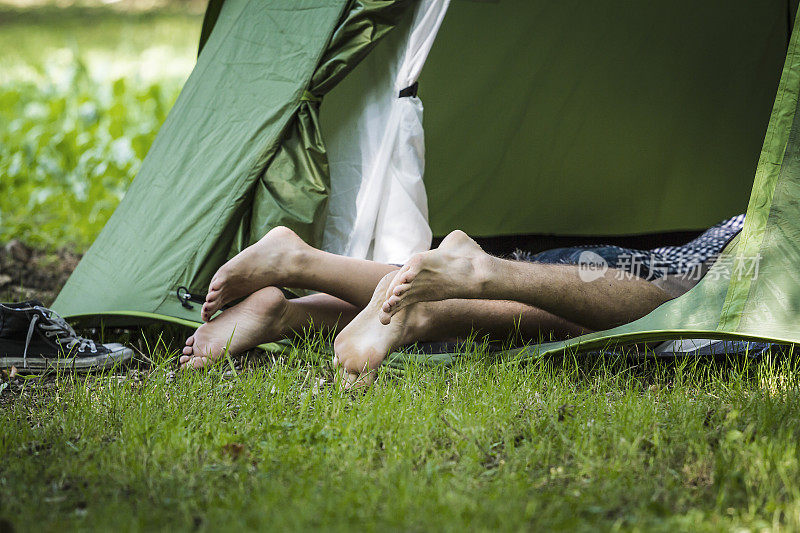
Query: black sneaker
[{"x": 36, "y": 338}]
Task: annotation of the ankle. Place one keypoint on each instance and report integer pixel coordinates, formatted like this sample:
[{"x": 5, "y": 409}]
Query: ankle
[
  {"x": 485, "y": 268},
  {"x": 269, "y": 303},
  {"x": 418, "y": 323},
  {"x": 295, "y": 264}
]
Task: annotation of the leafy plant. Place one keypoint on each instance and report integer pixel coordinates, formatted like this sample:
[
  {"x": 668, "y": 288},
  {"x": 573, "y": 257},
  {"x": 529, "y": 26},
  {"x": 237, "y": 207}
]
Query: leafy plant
[
  {"x": 69, "y": 149},
  {"x": 83, "y": 92}
]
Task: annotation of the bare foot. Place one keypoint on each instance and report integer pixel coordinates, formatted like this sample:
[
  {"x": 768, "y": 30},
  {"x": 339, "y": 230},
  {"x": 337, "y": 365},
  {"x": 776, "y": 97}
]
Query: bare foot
[
  {"x": 264, "y": 316},
  {"x": 458, "y": 268},
  {"x": 362, "y": 346},
  {"x": 266, "y": 263}
]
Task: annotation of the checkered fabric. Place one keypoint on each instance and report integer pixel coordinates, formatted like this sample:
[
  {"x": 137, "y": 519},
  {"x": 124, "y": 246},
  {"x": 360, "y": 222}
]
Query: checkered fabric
[
  {"x": 706, "y": 246},
  {"x": 650, "y": 264}
]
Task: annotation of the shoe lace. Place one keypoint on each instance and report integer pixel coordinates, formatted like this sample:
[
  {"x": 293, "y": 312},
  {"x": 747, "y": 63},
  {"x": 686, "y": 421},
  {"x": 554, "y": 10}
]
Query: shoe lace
[
  {"x": 56, "y": 327},
  {"x": 28, "y": 341}
]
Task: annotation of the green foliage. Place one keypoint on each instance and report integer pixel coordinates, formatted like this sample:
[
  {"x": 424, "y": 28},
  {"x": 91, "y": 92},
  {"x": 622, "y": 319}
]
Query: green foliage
[
  {"x": 83, "y": 93},
  {"x": 558, "y": 444},
  {"x": 68, "y": 151}
]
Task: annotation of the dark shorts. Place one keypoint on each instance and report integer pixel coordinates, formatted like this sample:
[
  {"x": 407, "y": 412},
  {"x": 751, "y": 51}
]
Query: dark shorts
[{"x": 636, "y": 262}]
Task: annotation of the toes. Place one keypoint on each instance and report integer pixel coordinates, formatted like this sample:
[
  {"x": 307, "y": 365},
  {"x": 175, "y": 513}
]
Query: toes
[
  {"x": 351, "y": 374},
  {"x": 348, "y": 379},
  {"x": 208, "y": 310},
  {"x": 352, "y": 381},
  {"x": 408, "y": 277},
  {"x": 400, "y": 289},
  {"x": 187, "y": 350},
  {"x": 367, "y": 379},
  {"x": 391, "y": 303},
  {"x": 403, "y": 277},
  {"x": 212, "y": 295},
  {"x": 190, "y": 340},
  {"x": 395, "y": 281},
  {"x": 199, "y": 362}
]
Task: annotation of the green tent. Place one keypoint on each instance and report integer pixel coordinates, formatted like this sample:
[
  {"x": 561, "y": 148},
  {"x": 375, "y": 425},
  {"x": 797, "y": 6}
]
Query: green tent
[{"x": 547, "y": 118}]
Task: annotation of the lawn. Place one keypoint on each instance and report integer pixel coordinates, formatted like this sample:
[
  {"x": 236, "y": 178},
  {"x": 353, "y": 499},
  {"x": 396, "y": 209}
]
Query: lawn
[
  {"x": 564, "y": 444},
  {"x": 272, "y": 442}
]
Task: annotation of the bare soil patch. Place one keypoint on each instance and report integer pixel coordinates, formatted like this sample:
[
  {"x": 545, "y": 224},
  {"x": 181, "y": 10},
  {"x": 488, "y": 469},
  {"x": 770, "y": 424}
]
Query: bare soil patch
[{"x": 27, "y": 273}]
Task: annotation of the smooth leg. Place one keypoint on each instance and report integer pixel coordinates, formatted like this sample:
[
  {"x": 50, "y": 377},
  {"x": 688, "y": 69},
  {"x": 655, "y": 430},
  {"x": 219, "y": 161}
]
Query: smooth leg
[
  {"x": 282, "y": 259},
  {"x": 264, "y": 316},
  {"x": 267, "y": 316}
]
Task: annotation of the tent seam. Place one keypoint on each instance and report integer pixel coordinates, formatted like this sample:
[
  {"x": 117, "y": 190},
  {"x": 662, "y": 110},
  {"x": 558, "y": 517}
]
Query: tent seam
[{"x": 742, "y": 287}]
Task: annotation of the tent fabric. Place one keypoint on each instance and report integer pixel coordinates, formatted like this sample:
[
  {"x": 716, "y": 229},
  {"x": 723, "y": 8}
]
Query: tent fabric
[
  {"x": 294, "y": 188},
  {"x": 753, "y": 289},
  {"x": 240, "y": 149},
  {"x": 391, "y": 207},
  {"x": 244, "y": 147},
  {"x": 597, "y": 118},
  {"x": 379, "y": 207}
]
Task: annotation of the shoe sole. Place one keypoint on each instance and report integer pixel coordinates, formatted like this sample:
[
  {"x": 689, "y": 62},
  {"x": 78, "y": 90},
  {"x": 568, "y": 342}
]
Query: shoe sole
[{"x": 80, "y": 364}]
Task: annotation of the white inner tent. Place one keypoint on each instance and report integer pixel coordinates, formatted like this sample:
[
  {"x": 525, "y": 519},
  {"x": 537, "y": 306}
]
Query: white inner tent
[
  {"x": 376, "y": 148},
  {"x": 545, "y": 118}
]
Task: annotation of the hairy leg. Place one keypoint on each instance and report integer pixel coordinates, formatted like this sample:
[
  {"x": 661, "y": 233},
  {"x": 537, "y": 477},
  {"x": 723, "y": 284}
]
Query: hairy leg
[
  {"x": 459, "y": 268},
  {"x": 364, "y": 343},
  {"x": 282, "y": 259},
  {"x": 264, "y": 316},
  {"x": 498, "y": 319}
]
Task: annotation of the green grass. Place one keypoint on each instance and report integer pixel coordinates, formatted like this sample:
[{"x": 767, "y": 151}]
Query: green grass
[{"x": 558, "y": 443}]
